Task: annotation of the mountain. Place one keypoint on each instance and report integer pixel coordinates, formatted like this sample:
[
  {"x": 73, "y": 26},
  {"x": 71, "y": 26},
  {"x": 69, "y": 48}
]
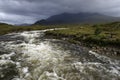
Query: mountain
[
  {"x": 4, "y": 24},
  {"x": 66, "y": 18}
]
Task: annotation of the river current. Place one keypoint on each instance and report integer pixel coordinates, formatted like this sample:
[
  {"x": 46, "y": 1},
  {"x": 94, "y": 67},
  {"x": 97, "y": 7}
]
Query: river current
[{"x": 29, "y": 55}]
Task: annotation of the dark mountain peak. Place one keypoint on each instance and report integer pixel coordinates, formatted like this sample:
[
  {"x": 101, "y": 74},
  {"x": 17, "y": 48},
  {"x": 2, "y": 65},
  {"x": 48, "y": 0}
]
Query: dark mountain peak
[
  {"x": 80, "y": 13},
  {"x": 65, "y": 13},
  {"x": 82, "y": 17}
]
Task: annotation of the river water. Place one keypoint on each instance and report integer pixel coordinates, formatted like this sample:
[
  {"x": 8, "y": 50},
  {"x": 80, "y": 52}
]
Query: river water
[{"x": 30, "y": 55}]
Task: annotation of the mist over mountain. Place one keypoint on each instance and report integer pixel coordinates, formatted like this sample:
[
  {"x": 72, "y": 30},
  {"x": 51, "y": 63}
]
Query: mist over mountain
[{"x": 67, "y": 18}]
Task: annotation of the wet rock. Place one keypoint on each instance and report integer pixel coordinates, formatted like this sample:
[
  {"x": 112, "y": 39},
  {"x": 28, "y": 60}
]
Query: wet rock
[
  {"x": 118, "y": 53},
  {"x": 3, "y": 51},
  {"x": 7, "y": 70}
]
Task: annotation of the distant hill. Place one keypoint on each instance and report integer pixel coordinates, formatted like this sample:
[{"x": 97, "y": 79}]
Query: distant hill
[
  {"x": 66, "y": 18},
  {"x": 25, "y": 24},
  {"x": 3, "y": 24}
]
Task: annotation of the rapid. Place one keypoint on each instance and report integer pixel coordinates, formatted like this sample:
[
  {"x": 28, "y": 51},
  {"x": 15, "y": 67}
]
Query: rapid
[{"x": 29, "y": 55}]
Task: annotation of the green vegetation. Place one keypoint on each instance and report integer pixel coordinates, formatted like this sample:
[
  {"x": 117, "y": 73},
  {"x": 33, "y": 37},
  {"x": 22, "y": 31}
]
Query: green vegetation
[
  {"x": 5, "y": 28},
  {"x": 99, "y": 34},
  {"x": 97, "y": 31}
]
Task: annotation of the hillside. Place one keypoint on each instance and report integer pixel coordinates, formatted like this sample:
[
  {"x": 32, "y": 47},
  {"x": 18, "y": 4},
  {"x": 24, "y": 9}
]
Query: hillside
[
  {"x": 99, "y": 34},
  {"x": 68, "y": 18}
]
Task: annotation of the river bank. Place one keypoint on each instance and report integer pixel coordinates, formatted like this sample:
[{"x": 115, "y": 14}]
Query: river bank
[
  {"x": 102, "y": 47},
  {"x": 102, "y": 38},
  {"x": 31, "y": 55}
]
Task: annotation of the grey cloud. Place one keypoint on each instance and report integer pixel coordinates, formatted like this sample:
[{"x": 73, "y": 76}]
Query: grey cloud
[{"x": 28, "y": 11}]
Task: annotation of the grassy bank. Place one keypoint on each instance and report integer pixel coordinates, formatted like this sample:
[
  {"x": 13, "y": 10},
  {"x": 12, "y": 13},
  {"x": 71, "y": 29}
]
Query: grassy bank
[
  {"x": 100, "y": 34},
  {"x": 5, "y": 28},
  {"x": 101, "y": 38}
]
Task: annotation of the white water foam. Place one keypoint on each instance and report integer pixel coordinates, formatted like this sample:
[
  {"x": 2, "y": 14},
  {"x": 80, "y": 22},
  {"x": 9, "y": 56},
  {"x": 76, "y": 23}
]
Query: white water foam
[{"x": 44, "y": 60}]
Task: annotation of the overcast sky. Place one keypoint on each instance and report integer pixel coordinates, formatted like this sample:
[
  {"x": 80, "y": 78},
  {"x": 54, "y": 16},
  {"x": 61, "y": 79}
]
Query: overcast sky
[{"x": 29, "y": 11}]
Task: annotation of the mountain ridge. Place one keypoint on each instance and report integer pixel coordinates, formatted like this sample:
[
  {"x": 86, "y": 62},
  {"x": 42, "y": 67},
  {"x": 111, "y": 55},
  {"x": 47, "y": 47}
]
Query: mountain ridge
[{"x": 67, "y": 18}]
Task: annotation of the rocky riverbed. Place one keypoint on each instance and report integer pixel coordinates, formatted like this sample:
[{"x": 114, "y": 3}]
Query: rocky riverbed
[{"x": 30, "y": 55}]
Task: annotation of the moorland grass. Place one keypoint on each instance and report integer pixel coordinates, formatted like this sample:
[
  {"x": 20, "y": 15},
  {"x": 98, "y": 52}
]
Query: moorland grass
[{"x": 99, "y": 34}]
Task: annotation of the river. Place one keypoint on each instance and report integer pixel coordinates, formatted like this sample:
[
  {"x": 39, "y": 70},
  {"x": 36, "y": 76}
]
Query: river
[{"x": 29, "y": 55}]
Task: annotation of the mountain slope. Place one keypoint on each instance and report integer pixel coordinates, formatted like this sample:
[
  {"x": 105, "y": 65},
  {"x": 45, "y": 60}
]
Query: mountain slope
[{"x": 65, "y": 18}]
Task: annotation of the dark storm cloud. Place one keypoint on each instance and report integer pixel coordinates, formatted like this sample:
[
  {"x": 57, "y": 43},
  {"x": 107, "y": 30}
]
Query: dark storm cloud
[{"x": 28, "y": 11}]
